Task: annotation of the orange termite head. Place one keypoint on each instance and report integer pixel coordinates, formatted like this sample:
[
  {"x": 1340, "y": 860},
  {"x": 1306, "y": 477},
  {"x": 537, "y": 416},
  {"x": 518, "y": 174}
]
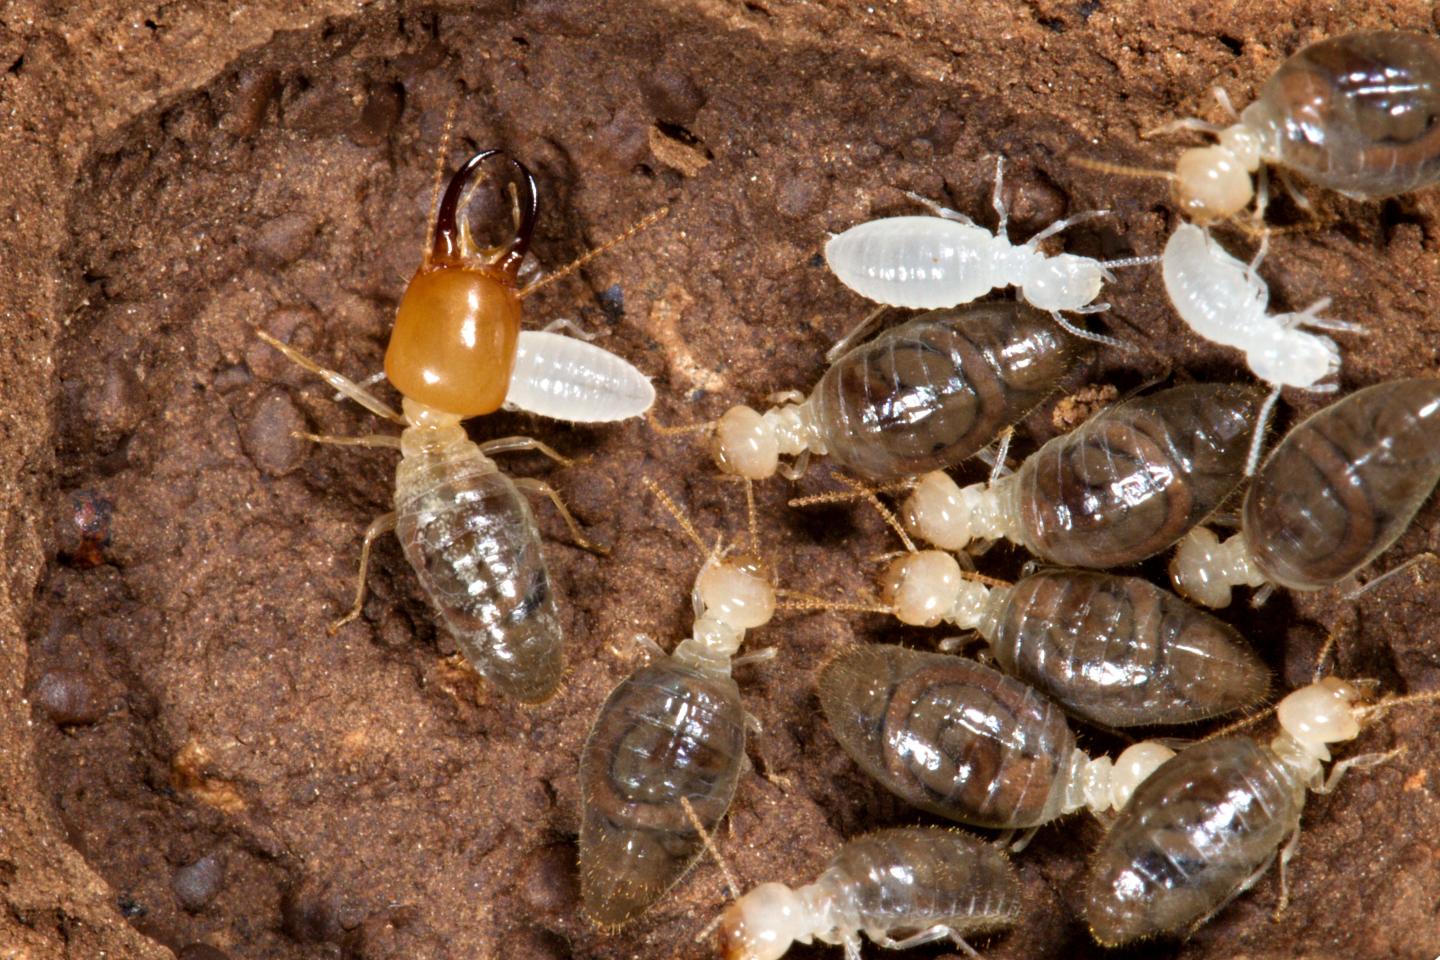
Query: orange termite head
[{"x": 453, "y": 346}]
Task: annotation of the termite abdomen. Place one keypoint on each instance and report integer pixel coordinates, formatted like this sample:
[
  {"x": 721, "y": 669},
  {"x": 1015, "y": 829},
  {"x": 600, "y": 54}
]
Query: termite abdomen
[
  {"x": 475, "y": 547},
  {"x": 1358, "y": 113},
  {"x": 949, "y": 735},
  {"x": 934, "y": 391},
  {"x": 1119, "y": 651},
  {"x": 1193, "y": 832},
  {"x": 667, "y": 733},
  {"x": 1135, "y": 479},
  {"x": 1344, "y": 484}
]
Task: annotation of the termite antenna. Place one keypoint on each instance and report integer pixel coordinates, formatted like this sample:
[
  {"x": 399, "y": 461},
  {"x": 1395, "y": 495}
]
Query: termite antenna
[
  {"x": 849, "y": 496},
  {"x": 585, "y": 258},
  {"x": 665, "y": 430},
  {"x": 680, "y": 517},
  {"x": 452, "y": 243},
  {"x": 797, "y": 600},
  {"x": 1257, "y": 442},
  {"x": 869, "y": 495},
  {"x": 1385, "y": 705},
  {"x": 439, "y": 174},
  {"x": 1120, "y": 169},
  {"x": 733, "y": 888},
  {"x": 1323, "y": 655}
]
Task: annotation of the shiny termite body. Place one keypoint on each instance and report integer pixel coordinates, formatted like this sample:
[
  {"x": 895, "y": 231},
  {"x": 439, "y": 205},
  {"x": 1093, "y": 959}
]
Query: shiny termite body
[
  {"x": 666, "y": 750},
  {"x": 924, "y": 395},
  {"x": 1337, "y": 491},
  {"x": 1121, "y": 487},
  {"x": 1210, "y": 821},
  {"x": 958, "y": 739},
  {"x": 902, "y": 888},
  {"x": 464, "y": 526},
  {"x": 1358, "y": 114},
  {"x": 1113, "y": 651}
]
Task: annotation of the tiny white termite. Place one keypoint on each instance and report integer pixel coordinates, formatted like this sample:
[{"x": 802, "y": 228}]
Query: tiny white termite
[
  {"x": 947, "y": 259},
  {"x": 1224, "y": 301}
]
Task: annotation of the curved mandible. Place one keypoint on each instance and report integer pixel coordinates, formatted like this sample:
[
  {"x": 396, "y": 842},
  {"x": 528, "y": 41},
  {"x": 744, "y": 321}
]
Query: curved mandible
[{"x": 447, "y": 245}]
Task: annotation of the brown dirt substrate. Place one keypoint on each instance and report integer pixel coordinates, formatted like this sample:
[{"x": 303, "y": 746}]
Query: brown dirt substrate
[{"x": 194, "y": 766}]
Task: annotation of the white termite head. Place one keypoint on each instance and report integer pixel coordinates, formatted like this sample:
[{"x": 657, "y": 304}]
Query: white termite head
[
  {"x": 763, "y": 923},
  {"x": 1135, "y": 763},
  {"x": 921, "y": 587},
  {"x": 1320, "y": 714},
  {"x": 1216, "y": 182},
  {"x": 737, "y": 592},
  {"x": 1062, "y": 282},
  {"x": 1293, "y": 358},
  {"x": 935, "y": 512},
  {"x": 745, "y": 445}
]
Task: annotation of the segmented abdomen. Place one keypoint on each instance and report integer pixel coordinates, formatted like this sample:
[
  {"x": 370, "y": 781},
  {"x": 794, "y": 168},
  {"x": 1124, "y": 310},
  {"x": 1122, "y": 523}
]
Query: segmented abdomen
[
  {"x": 1133, "y": 480},
  {"x": 1344, "y": 484},
  {"x": 906, "y": 880},
  {"x": 916, "y": 262},
  {"x": 1195, "y": 830},
  {"x": 1358, "y": 113},
  {"x": 475, "y": 547},
  {"x": 1120, "y": 651},
  {"x": 949, "y": 735},
  {"x": 933, "y": 391},
  {"x": 667, "y": 732}
]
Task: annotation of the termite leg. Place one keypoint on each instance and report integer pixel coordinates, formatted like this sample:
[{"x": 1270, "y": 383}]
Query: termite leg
[
  {"x": 380, "y": 526},
  {"x": 859, "y": 332},
  {"x": 339, "y": 381},
  {"x": 998, "y": 200},
  {"x": 937, "y": 932},
  {"x": 531, "y": 485},
  {"x": 943, "y": 212},
  {"x": 571, "y": 328},
  {"x": 1286, "y": 853},
  {"x": 368, "y": 440},
  {"x": 517, "y": 444}
]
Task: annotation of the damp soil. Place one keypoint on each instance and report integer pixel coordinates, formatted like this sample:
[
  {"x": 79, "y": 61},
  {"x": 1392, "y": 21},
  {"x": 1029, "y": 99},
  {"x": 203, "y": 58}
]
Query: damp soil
[{"x": 193, "y": 765}]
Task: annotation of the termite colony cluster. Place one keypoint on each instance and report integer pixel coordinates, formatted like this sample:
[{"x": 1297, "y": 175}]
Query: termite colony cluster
[{"x": 984, "y": 742}]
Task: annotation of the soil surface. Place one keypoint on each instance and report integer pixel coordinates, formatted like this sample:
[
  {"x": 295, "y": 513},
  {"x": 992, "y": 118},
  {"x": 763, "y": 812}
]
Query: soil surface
[{"x": 194, "y": 766}]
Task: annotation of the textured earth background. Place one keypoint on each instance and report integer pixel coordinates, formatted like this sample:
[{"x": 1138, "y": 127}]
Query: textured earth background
[{"x": 192, "y": 766}]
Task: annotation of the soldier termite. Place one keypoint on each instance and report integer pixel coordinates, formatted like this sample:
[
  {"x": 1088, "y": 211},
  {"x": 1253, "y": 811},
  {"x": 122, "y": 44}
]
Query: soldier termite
[
  {"x": 1208, "y": 823},
  {"x": 463, "y": 525},
  {"x": 948, "y": 259},
  {"x": 928, "y": 393},
  {"x": 1358, "y": 114},
  {"x": 1122, "y": 487},
  {"x": 1224, "y": 301},
  {"x": 902, "y": 888},
  {"x": 665, "y": 753},
  {"x": 958, "y": 739},
  {"x": 1336, "y": 492}
]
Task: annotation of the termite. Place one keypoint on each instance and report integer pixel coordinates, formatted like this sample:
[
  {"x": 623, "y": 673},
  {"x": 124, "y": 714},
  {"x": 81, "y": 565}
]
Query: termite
[
  {"x": 1332, "y": 496},
  {"x": 1207, "y": 824},
  {"x": 464, "y": 526},
  {"x": 926, "y": 394},
  {"x": 958, "y": 739},
  {"x": 948, "y": 259},
  {"x": 1123, "y": 486},
  {"x": 903, "y": 888},
  {"x": 1358, "y": 114},
  {"x": 1224, "y": 301},
  {"x": 1112, "y": 651},
  {"x": 666, "y": 750}
]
